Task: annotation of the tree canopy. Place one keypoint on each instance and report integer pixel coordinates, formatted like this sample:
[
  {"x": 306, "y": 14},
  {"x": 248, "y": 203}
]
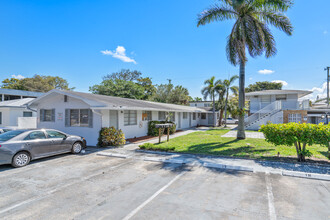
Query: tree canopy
[
  {"x": 167, "y": 93},
  {"x": 37, "y": 83},
  {"x": 126, "y": 84},
  {"x": 266, "y": 85}
]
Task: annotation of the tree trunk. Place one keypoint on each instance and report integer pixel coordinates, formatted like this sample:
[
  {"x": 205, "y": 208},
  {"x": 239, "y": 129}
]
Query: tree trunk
[
  {"x": 297, "y": 149},
  {"x": 213, "y": 109},
  {"x": 220, "y": 118},
  {"x": 227, "y": 92},
  {"x": 241, "y": 102}
]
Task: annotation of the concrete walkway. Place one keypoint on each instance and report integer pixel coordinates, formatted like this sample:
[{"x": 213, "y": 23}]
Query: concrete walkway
[
  {"x": 233, "y": 133},
  {"x": 133, "y": 146}
]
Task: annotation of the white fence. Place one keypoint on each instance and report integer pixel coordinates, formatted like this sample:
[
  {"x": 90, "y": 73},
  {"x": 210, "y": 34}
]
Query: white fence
[{"x": 27, "y": 122}]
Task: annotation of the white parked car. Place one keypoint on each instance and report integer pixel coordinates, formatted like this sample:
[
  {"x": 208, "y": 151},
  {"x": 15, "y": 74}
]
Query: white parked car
[{"x": 230, "y": 121}]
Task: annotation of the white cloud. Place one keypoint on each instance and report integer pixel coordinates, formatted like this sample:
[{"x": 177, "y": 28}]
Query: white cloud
[
  {"x": 19, "y": 76},
  {"x": 119, "y": 53},
  {"x": 284, "y": 83},
  {"x": 325, "y": 32},
  {"x": 250, "y": 78},
  {"x": 265, "y": 71}
]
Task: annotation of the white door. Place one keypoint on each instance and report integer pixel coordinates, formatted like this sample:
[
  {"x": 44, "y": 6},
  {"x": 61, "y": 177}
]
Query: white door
[
  {"x": 179, "y": 121},
  {"x": 113, "y": 119}
]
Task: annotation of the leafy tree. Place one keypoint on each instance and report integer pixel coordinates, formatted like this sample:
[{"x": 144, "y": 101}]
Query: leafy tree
[
  {"x": 266, "y": 85},
  {"x": 250, "y": 32},
  {"x": 37, "y": 83},
  {"x": 210, "y": 91},
  {"x": 167, "y": 93},
  {"x": 126, "y": 84}
]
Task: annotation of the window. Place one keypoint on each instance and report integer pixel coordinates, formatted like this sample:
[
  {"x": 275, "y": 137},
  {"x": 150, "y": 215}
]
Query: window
[
  {"x": 185, "y": 115},
  {"x": 130, "y": 117},
  {"x": 194, "y": 116},
  {"x": 35, "y": 135},
  {"x": 295, "y": 118},
  {"x": 199, "y": 115},
  {"x": 47, "y": 114},
  {"x": 196, "y": 104},
  {"x": 27, "y": 114},
  {"x": 0, "y": 117},
  {"x": 55, "y": 134},
  {"x": 280, "y": 97},
  {"x": 203, "y": 116},
  {"x": 161, "y": 116},
  {"x": 10, "y": 134},
  {"x": 206, "y": 105},
  {"x": 65, "y": 98},
  {"x": 79, "y": 117},
  {"x": 146, "y": 116}
]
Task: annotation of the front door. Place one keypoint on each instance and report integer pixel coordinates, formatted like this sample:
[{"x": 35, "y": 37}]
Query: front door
[
  {"x": 113, "y": 119},
  {"x": 210, "y": 118},
  {"x": 179, "y": 121}
]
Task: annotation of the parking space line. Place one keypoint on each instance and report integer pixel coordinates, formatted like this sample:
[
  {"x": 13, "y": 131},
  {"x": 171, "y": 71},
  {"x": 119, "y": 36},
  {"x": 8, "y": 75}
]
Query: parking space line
[
  {"x": 131, "y": 214},
  {"x": 271, "y": 206},
  {"x": 49, "y": 192}
]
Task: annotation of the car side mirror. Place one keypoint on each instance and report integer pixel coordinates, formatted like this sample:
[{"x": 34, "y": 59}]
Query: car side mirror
[{"x": 65, "y": 137}]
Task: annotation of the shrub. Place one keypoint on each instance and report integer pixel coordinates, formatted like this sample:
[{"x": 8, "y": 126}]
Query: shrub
[
  {"x": 150, "y": 146},
  {"x": 110, "y": 136},
  {"x": 298, "y": 135},
  {"x": 153, "y": 131}
]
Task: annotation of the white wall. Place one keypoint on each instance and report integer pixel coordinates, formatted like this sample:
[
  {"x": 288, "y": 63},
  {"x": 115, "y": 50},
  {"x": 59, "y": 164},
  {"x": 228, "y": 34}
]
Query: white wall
[
  {"x": 57, "y": 102},
  {"x": 289, "y": 103},
  {"x": 10, "y": 116}
]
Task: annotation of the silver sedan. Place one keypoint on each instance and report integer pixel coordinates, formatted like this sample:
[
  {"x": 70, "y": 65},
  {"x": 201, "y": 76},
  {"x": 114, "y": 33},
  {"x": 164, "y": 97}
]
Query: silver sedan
[{"x": 19, "y": 147}]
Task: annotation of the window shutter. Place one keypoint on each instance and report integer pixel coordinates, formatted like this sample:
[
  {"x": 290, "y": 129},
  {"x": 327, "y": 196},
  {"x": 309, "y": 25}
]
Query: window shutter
[
  {"x": 42, "y": 114},
  {"x": 53, "y": 114},
  {"x": 90, "y": 118},
  {"x": 67, "y": 117}
]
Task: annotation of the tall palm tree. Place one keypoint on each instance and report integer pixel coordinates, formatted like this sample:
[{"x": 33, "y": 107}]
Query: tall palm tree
[
  {"x": 250, "y": 31},
  {"x": 227, "y": 85},
  {"x": 210, "y": 91}
]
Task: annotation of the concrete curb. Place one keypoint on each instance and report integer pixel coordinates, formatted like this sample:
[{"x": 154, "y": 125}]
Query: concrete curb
[
  {"x": 307, "y": 175},
  {"x": 227, "y": 167},
  {"x": 112, "y": 155}
]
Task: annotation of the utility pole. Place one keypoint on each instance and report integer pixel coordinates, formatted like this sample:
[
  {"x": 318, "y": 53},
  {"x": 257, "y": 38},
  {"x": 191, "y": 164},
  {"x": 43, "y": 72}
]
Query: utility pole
[{"x": 327, "y": 69}]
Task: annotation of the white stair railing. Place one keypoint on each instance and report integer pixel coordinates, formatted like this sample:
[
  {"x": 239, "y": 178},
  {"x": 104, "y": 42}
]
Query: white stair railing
[{"x": 267, "y": 110}]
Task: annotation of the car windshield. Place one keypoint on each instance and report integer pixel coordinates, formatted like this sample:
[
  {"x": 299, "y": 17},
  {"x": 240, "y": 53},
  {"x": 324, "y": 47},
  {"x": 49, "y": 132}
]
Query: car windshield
[{"x": 9, "y": 135}]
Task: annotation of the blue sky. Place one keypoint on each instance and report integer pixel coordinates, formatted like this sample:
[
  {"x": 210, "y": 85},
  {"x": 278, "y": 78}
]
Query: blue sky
[{"x": 83, "y": 40}]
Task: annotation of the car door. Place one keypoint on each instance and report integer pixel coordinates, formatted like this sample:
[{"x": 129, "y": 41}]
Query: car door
[
  {"x": 59, "y": 142},
  {"x": 38, "y": 144}
]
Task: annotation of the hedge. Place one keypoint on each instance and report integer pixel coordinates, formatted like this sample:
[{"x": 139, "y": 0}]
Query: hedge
[
  {"x": 298, "y": 135},
  {"x": 153, "y": 131},
  {"x": 150, "y": 146},
  {"x": 110, "y": 136}
]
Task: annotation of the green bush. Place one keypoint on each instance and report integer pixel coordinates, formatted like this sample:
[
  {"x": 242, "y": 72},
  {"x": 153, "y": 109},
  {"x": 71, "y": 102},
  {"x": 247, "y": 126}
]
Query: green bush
[
  {"x": 150, "y": 146},
  {"x": 110, "y": 136},
  {"x": 153, "y": 131},
  {"x": 298, "y": 135}
]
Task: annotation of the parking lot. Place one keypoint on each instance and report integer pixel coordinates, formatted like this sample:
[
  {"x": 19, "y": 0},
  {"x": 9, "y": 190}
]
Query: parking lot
[{"x": 97, "y": 187}]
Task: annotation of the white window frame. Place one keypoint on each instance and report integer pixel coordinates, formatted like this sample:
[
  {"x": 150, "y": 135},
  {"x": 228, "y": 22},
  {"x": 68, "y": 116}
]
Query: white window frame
[
  {"x": 294, "y": 118},
  {"x": 149, "y": 116},
  {"x": 130, "y": 117}
]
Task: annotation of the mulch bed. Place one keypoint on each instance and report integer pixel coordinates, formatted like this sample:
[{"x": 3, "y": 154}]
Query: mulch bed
[{"x": 145, "y": 138}]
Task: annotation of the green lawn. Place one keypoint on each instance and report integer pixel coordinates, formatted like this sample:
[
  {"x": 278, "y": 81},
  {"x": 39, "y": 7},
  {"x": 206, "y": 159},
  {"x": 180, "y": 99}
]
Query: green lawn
[{"x": 211, "y": 143}]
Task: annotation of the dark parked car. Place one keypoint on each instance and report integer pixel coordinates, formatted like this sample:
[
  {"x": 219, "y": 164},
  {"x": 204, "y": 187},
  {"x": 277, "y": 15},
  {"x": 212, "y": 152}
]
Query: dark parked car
[{"x": 19, "y": 147}]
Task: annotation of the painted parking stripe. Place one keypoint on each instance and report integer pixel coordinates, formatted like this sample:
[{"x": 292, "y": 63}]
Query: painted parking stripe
[
  {"x": 131, "y": 214},
  {"x": 271, "y": 206}
]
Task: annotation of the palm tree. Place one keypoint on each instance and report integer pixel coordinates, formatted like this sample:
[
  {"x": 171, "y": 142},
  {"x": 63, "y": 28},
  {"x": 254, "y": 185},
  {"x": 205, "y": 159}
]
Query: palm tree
[
  {"x": 227, "y": 85},
  {"x": 220, "y": 104},
  {"x": 250, "y": 31},
  {"x": 210, "y": 91}
]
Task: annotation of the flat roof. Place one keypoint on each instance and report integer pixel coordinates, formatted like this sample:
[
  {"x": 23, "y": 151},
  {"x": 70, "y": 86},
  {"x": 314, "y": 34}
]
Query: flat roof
[
  {"x": 301, "y": 93},
  {"x": 20, "y": 92}
]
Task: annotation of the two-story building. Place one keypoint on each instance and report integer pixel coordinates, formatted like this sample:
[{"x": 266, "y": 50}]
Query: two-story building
[{"x": 276, "y": 106}]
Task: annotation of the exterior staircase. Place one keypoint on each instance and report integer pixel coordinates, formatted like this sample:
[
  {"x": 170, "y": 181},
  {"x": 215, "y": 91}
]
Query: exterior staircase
[{"x": 254, "y": 121}]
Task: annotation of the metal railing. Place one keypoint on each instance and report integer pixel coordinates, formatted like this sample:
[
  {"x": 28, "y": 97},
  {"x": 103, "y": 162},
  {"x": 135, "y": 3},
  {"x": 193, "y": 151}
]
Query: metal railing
[{"x": 268, "y": 110}]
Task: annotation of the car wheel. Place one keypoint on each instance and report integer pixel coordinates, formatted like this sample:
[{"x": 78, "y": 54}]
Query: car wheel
[
  {"x": 21, "y": 159},
  {"x": 76, "y": 148}
]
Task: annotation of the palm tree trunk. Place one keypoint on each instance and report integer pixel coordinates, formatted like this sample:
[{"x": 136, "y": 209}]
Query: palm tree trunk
[
  {"x": 241, "y": 102},
  {"x": 213, "y": 109},
  {"x": 220, "y": 118},
  {"x": 227, "y": 92}
]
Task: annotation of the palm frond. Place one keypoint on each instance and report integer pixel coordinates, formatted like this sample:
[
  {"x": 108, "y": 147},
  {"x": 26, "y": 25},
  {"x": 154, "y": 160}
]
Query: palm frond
[
  {"x": 278, "y": 20},
  {"x": 216, "y": 13}
]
